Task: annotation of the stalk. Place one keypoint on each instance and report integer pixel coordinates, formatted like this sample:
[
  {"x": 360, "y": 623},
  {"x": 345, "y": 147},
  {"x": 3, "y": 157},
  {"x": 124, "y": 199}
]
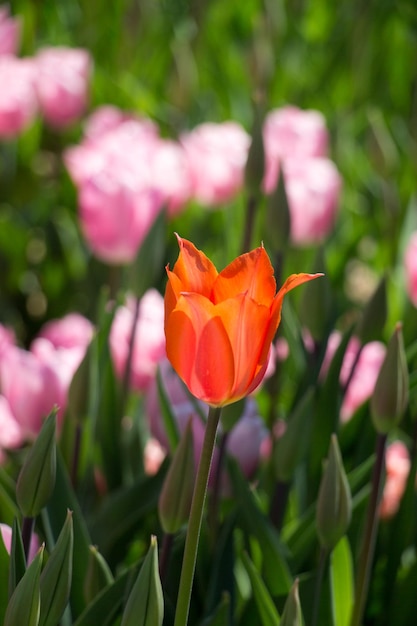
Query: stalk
[{"x": 196, "y": 515}]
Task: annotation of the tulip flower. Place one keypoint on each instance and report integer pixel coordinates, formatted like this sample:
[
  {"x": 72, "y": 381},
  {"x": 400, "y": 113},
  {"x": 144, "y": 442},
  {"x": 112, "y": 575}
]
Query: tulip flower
[{"x": 219, "y": 326}]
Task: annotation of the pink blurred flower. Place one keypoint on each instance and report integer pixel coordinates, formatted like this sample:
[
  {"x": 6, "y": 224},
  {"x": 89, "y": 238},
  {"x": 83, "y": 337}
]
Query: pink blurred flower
[
  {"x": 119, "y": 197},
  {"x": 6, "y": 535},
  {"x": 7, "y": 339},
  {"x": 149, "y": 345},
  {"x": 217, "y": 155},
  {"x": 365, "y": 375},
  {"x": 71, "y": 331},
  {"x": 410, "y": 268},
  {"x": 62, "y": 83},
  {"x": 18, "y": 103},
  {"x": 31, "y": 387},
  {"x": 11, "y": 435},
  {"x": 397, "y": 463},
  {"x": 247, "y": 439},
  {"x": 291, "y": 132},
  {"x": 9, "y": 32},
  {"x": 154, "y": 454},
  {"x": 172, "y": 175},
  {"x": 313, "y": 187}
]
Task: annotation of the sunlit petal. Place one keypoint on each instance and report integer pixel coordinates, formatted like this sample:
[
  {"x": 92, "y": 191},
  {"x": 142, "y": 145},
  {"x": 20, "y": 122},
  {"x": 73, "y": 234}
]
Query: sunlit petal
[
  {"x": 250, "y": 273},
  {"x": 195, "y": 271}
]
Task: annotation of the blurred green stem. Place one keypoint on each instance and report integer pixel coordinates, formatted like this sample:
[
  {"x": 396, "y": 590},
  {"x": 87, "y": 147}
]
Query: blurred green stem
[
  {"x": 319, "y": 583},
  {"x": 128, "y": 367},
  {"x": 196, "y": 515},
  {"x": 213, "y": 505},
  {"x": 76, "y": 454},
  {"x": 369, "y": 538}
]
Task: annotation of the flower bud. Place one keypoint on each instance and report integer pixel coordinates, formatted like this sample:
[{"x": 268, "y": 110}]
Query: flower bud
[
  {"x": 177, "y": 490},
  {"x": 374, "y": 316},
  {"x": 334, "y": 503},
  {"x": 289, "y": 448},
  {"x": 37, "y": 477},
  {"x": 292, "y": 615},
  {"x": 145, "y": 605},
  {"x": 24, "y": 605},
  {"x": 390, "y": 396},
  {"x": 316, "y": 303},
  {"x": 98, "y": 575},
  {"x": 55, "y": 583},
  {"x": 278, "y": 217}
]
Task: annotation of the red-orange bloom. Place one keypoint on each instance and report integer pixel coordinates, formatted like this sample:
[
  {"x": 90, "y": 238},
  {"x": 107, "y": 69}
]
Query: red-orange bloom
[{"x": 219, "y": 326}]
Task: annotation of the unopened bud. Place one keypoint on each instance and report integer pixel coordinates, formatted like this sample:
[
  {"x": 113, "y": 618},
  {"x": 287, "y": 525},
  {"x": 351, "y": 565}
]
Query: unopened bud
[
  {"x": 176, "y": 495},
  {"x": 145, "y": 605},
  {"x": 390, "y": 397},
  {"x": 316, "y": 302},
  {"x": 292, "y": 614},
  {"x": 334, "y": 503},
  {"x": 255, "y": 164},
  {"x": 98, "y": 574},
  {"x": 374, "y": 316}
]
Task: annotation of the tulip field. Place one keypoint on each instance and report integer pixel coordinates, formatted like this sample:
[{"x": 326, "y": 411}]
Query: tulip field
[{"x": 208, "y": 313}]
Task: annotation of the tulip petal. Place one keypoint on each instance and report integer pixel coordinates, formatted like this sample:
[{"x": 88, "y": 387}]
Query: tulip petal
[
  {"x": 250, "y": 273},
  {"x": 246, "y": 323},
  {"x": 199, "y": 349},
  {"x": 195, "y": 271},
  {"x": 292, "y": 281}
]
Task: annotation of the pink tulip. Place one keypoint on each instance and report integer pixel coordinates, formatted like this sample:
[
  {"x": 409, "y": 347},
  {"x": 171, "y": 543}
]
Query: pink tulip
[
  {"x": 6, "y": 535},
  {"x": 7, "y": 339},
  {"x": 410, "y": 268},
  {"x": 397, "y": 463},
  {"x": 247, "y": 439},
  {"x": 217, "y": 155},
  {"x": 153, "y": 456},
  {"x": 291, "y": 132},
  {"x": 172, "y": 175},
  {"x": 9, "y": 32},
  {"x": 71, "y": 331},
  {"x": 313, "y": 187},
  {"x": 149, "y": 343},
  {"x": 11, "y": 435},
  {"x": 31, "y": 387},
  {"x": 119, "y": 197},
  {"x": 365, "y": 375},
  {"x": 62, "y": 83},
  {"x": 18, "y": 103}
]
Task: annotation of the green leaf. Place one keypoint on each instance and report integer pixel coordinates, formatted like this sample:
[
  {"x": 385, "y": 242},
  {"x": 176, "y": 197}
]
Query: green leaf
[
  {"x": 145, "y": 605},
  {"x": 4, "y": 573},
  {"x": 62, "y": 500},
  {"x": 55, "y": 583},
  {"x": 268, "y": 612},
  {"x": 221, "y": 615},
  {"x": 149, "y": 263},
  {"x": 254, "y": 522},
  {"x": 17, "y": 557},
  {"x": 24, "y": 605},
  {"x": 122, "y": 513},
  {"x": 106, "y": 604},
  {"x": 98, "y": 575},
  {"x": 341, "y": 582},
  {"x": 37, "y": 476}
]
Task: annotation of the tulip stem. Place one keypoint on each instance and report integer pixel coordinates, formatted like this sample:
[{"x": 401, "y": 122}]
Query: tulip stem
[
  {"x": 196, "y": 515},
  {"x": 249, "y": 223},
  {"x": 369, "y": 538},
  {"x": 319, "y": 584}
]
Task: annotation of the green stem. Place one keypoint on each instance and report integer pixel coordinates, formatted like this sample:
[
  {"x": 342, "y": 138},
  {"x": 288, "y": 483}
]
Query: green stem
[
  {"x": 369, "y": 538},
  {"x": 319, "y": 584},
  {"x": 196, "y": 515}
]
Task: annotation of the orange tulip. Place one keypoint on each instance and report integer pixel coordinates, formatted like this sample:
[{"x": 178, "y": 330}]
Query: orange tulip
[{"x": 219, "y": 326}]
